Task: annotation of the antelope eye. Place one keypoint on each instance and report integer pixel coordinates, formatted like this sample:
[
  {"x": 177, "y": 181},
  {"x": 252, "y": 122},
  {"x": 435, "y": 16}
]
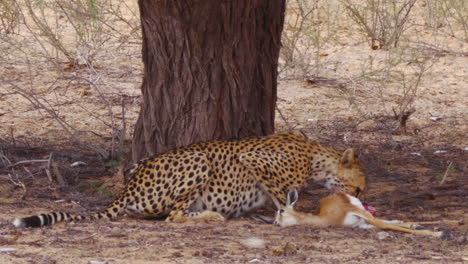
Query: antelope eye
[{"x": 281, "y": 211}]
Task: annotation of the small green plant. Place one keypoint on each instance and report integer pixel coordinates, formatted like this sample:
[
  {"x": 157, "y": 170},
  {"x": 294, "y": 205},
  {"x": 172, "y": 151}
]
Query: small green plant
[
  {"x": 95, "y": 187},
  {"x": 113, "y": 164}
]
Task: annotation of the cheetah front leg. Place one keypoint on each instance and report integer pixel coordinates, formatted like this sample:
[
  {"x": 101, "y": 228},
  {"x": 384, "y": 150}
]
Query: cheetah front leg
[
  {"x": 207, "y": 215},
  {"x": 277, "y": 173}
]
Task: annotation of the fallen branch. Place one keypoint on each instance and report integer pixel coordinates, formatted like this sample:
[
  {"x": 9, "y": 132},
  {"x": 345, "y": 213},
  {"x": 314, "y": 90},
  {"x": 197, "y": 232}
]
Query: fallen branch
[
  {"x": 440, "y": 52},
  {"x": 27, "y": 162}
]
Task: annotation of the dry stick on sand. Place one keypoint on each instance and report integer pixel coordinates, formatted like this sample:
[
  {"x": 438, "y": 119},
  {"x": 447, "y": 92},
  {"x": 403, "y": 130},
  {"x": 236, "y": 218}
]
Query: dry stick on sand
[
  {"x": 438, "y": 51},
  {"x": 49, "y": 163},
  {"x": 27, "y": 162},
  {"x": 446, "y": 173},
  {"x": 57, "y": 174},
  {"x": 290, "y": 127},
  {"x": 123, "y": 132},
  {"x": 5, "y": 159},
  {"x": 29, "y": 172},
  {"x": 47, "y": 169},
  {"x": 17, "y": 182}
]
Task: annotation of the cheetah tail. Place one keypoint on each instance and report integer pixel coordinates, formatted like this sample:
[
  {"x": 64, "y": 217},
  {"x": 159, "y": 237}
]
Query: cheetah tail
[
  {"x": 51, "y": 218},
  {"x": 45, "y": 219}
]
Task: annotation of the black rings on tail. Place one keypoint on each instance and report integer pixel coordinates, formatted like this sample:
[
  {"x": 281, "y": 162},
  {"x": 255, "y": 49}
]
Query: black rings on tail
[
  {"x": 45, "y": 219},
  {"x": 55, "y": 217}
]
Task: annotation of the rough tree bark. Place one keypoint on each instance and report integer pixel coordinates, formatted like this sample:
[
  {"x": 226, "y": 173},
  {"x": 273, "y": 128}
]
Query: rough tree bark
[{"x": 210, "y": 69}]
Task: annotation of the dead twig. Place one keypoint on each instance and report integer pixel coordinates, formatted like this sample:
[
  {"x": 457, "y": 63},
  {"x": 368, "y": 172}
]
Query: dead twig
[
  {"x": 57, "y": 174},
  {"x": 5, "y": 160},
  {"x": 290, "y": 127},
  {"x": 27, "y": 162},
  {"x": 9, "y": 241},
  {"x": 124, "y": 126},
  {"x": 446, "y": 173},
  {"x": 49, "y": 164},
  {"x": 18, "y": 183},
  {"x": 29, "y": 172},
  {"x": 403, "y": 117},
  {"x": 440, "y": 52}
]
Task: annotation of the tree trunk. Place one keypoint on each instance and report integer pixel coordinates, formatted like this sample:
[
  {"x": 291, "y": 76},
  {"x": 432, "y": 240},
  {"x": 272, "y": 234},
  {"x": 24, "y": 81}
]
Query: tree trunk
[{"x": 210, "y": 69}]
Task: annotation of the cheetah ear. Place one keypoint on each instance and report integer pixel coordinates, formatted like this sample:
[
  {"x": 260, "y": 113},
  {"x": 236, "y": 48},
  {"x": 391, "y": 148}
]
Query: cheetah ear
[
  {"x": 303, "y": 134},
  {"x": 348, "y": 157},
  {"x": 292, "y": 198},
  {"x": 299, "y": 133}
]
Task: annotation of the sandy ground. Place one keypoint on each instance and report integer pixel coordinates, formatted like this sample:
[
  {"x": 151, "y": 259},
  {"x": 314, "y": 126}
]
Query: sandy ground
[
  {"x": 396, "y": 195},
  {"x": 420, "y": 174}
]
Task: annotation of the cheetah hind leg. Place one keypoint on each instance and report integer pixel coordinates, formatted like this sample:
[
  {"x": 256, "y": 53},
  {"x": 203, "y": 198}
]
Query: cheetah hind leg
[{"x": 190, "y": 193}]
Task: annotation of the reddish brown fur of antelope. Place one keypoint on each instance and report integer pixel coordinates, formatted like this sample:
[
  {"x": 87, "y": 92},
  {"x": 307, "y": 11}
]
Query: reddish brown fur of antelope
[{"x": 339, "y": 209}]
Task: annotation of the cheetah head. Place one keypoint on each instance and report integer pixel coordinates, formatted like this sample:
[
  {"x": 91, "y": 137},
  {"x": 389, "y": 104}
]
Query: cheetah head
[{"x": 350, "y": 177}]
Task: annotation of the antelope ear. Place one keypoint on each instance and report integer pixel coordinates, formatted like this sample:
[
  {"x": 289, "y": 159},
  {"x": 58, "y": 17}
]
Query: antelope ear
[
  {"x": 292, "y": 197},
  {"x": 348, "y": 157}
]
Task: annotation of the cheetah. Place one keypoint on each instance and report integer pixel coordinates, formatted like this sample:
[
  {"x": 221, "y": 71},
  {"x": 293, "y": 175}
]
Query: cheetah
[{"x": 217, "y": 180}]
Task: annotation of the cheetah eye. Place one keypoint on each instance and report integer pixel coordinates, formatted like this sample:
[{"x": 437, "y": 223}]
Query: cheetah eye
[{"x": 281, "y": 211}]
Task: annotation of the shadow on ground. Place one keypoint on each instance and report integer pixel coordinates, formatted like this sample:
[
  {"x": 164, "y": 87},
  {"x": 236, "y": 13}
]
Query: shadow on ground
[{"x": 407, "y": 181}]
